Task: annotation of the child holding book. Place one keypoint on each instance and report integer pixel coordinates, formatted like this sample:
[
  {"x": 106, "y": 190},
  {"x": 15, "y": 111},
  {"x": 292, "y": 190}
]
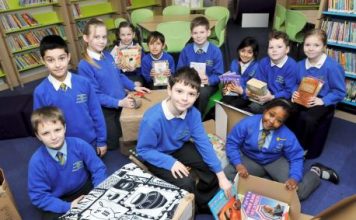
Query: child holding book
[
  {"x": 108, "y": 81},
  {"x": 73, "y": 94},
  {"x": 125, "y": 36},
  {"x": 62, "y": 169},
  {"x": 158, "y": 65},
  {"x": 204, "y": 56},
  {"x": 332, "y": 76},
  {"x": 278, "y": 71},
  {"x": 263, "y": 146},
  {"x": 172, "y": 140},
  {"x": 245, "y": 66}
]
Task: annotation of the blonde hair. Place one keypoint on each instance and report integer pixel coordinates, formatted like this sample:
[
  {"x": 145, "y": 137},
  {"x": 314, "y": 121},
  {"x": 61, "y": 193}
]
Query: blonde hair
[
  {"x": 47, "y": 113},
  {"x": 94, "y": 22},
  {"x": 317, "y": 32}
]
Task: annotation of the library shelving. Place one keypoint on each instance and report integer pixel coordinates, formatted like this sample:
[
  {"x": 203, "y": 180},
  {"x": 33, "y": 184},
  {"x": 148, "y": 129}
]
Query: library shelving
[
  {"x": 339, "y": 22},
  {"x": 23, "y": 23},
  {"x": 310, "y": 8}
]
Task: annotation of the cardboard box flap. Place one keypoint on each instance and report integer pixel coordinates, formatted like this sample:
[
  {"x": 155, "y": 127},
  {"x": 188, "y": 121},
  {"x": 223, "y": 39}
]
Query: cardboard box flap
[
  {"x": 273, "y": 190},
  {"x": 8, "y": 208},
  {"x": 209, "y": 126},
  {"x": 343, "y": 210}
]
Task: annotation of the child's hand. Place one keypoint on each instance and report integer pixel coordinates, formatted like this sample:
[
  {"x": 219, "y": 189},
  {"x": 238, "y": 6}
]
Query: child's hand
[
  {"x": 153, "y": 73},
  {"x": 236, "y": 88},
  {"x": 142, "y": 89},
  {"x": 179, "y": 170},
  {"x": 295, "y": 96},
  {"x": 315, "y": 101},
  {"x": 241, "y": 170},
  {"x": 224, "y": 184},
  {"x": 291, "y": 184},
  {"x": 167, "y": 72},
  {"x": 75, "y": 202},
  {"x": 101, "y": 151},
  {"x": 127, "y": 102},
  {"x": 266, "y": 98}
]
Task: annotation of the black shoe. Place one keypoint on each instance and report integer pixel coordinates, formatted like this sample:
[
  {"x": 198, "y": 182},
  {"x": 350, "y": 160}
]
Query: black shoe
[{"x": 333, "y": 176}]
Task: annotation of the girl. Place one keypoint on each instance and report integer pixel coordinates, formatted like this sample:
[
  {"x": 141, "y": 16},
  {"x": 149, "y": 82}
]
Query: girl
[
  {"x": 109, "y": 83},
  {"x": 318, "y": 65},
  {"x": 125, "y": 35},
  {"x": 262, "y": 145},
  {"x": 245, "y": 65}
]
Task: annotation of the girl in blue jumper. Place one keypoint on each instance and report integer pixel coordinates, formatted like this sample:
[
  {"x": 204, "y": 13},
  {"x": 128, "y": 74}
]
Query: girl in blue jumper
[
  {"x": 263, "y": 146},
  {"x": 246, "y": 66},
  {"x": 108, "y": 81},
  {"x": 318, "y": 65},
  {"x": 125, "y": 36}
]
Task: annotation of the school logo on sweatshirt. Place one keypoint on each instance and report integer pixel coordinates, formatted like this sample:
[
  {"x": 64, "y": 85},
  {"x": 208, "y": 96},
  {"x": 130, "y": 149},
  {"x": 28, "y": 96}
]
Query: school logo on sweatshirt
[
  {"x": 81, "y": 98},
  {"x": 280, "y": 143},
  {"x": 77, "y": 165},
  {"x": 280, "y": 79},
  {"x": 209, "y": 62}
]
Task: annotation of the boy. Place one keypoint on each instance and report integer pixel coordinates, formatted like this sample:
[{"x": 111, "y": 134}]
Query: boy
[
  {"x": 203, "y": 52},
  {"x": 71, "y": 93},
  {"x": 172, "y": 139},
  {"x": 278, "y": 70},
  {"x": 156, "y": 44},
  {"x": 63, "y": 168}
]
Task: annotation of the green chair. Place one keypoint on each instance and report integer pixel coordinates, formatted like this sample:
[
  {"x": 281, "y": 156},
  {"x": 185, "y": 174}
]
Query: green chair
[
  {"x": 279, "y": 18},
  {"x": 217, "y": 96},
  {"x": 118, "y": 21},
  {"x": 136, "y": 17},
  {"x": 295, "y": 23},
  {"x": 176, "y": 37},
  {"x": 218, "y": 38},
  {"x": 218, "y": 12},
  {"x": 176, "y": 10}
]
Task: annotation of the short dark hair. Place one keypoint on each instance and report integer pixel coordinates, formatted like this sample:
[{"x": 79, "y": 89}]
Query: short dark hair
[
  {"x": 51, "y": 42},
  {"x": 188, "y": 76},
  {"x": 199, "y": 21},
  {"x": 154, "y": 36},
  {"x": 249, "y": 42},
  {"x": 47, "y": 113},
  {"x": 280, "y": 102},
  {"x": 279, "y": 35}
]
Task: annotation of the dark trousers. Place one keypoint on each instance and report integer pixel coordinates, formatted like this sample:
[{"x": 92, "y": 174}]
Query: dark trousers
[
  {"x": 135, "y": 78},
  {"x": 113, "y": 127},
  {"x": 207, "y": 185},
  {"x": 236, "y": 101},
  {"x": 88, "y": 186},
  {"x": 202, "y": 102}
]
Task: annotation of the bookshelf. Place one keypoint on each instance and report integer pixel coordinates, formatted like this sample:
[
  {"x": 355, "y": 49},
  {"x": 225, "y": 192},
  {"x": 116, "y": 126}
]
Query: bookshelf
[
  {"x": 310, "y": 8},
  {"x": 339, "y": 22},
  {"x": 23, "y": 24}
]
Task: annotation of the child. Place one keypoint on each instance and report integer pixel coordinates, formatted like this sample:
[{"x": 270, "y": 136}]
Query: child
[
  {"x": 99, "y": 67},
  {"x": 125, "y": 35},
  {"x": 156, "y": 44},
  {"x": 203, "y": 52},
  {"x": 71, "y": 93},
  {"x": 320, "y": 66},
  {"x": 172, "y": 138},
  {"x": 63, "y": 169},
  {"x": 278, "y": 70},
  {"x": 262, "y": 145},
  {"x": 246, "y": 66}
]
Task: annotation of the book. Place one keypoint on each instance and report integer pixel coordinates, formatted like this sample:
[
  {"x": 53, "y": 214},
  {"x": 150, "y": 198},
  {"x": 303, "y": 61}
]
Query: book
[
  {"x": 130, "y": 56},
  {"x": 255, "y": 206},
  {"x": 200, "y": 68},
  {"x": 309, "y": 87},
  {"x": 159, "y": 67},
  {"x": 229, "y": 79},
  {"x": 256, "y": 88}
]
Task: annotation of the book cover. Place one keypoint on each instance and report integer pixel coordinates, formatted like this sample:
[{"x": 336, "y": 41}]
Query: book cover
[
  {"x": 129, "y": 57},
  {"x": 229, "y": 79},
  {"x": 200, "y": 68},
  {"x": 309, "y": 87},
  {"x": 159, "y": 67},
  {"x": 256, "y": 87},
  {"x": 255, "y": 206}
]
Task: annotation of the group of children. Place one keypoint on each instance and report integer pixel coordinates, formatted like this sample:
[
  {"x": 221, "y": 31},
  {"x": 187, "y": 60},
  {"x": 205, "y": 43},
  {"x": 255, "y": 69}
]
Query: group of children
[{"x": 171, "y": 139}]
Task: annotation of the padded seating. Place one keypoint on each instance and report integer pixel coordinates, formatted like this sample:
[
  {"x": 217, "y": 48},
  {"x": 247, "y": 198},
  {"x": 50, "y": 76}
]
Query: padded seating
[
  {"x": 177, "y": 37},
  {"x": 118, "y": 21},
  {"x": 176, "y": 10},
  {"x": 295, "y": 23},
  {"x": 219, "y": 31},
  {"x": 136, "y": 17},
  {"x": 218, "y": 12},
  {"x": 279, "y": 18}
]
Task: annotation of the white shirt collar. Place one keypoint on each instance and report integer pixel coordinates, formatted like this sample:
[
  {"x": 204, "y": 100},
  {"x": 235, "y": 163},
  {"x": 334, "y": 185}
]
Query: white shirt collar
[
  {"x": 280, "y": 65},
  {"x": 53, "y": 152},
  {"x": 168, "y": 114},
  {"x": 153, "y": 58},
  {"x": 94, "y": 55},
  {"x": 244, "y": 66},
  {"x": 318, "y": 65},
  {"x": 124, "y": 46},
  {"x": 204, "y": 47},
  {"x": 56, "y": 83}
]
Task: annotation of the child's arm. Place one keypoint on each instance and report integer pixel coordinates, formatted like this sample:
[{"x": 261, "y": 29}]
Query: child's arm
[
  {"x": 183, "y": 59},
  {"x": 294, "y": 153},
  {"x": 337, "y": 91},
  {"x": 234, "y": 142},
  {"x": 146, "y": 68},
  {"x": 217, "y": 69},
  {"x": 38, "y": 99},
  {"x": 172, "y": 65}
]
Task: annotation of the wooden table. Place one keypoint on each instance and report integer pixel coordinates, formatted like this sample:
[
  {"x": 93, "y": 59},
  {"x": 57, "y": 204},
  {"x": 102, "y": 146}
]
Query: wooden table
[{"x": 151, "y": 24}]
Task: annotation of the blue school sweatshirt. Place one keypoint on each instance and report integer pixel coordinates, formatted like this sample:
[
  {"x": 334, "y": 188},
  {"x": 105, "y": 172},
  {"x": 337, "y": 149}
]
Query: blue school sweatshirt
[{"x": 146, "y": 65}]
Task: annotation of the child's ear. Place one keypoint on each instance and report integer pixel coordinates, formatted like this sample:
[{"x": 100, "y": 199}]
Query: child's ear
[
  {"x": 85, "y": 38},
  {"x": 288, "y": 48},
  {"x": 209, "y": 32}
]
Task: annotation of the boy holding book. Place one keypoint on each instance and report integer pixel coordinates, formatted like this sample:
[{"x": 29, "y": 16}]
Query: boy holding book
[
  {"x": 205, "y": 57},
  {"x": 63, "y": 169},
  {"x": 71, "y": 93}
]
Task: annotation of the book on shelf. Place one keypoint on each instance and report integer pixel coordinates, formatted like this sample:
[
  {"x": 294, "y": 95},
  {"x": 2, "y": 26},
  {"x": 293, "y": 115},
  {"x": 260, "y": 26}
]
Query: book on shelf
[
  {"x": 256, "y": 88},
  {"x": 189, "y": 3},
  {"x": 346, "y": 59},
  {"x": 200, "y": 68},
  {"x": 342, "y": 6},
  {"x": 255, "y": 206},
  {"x": 160, "y": 67},
  {"x": 4, "y": 5},
  {"x": 309, "y": 87},
  {"x": 75, "y": 10},
  {"x": 130, "y": 56},
  {"x": 350, "y": 90},
  {"x": 230, "y": 79}
]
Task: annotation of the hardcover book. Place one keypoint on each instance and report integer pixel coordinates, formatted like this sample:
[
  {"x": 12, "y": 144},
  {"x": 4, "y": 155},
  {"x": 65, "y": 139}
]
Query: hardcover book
[
  {"x": 130, "y": 56},
  {"x": 309, "y": 87},
  {"x": 159, "y": 67},
  {"x": 200, "y": 68},
  {"x": 256, "y": 87},
  {"x": 255, "y": 206},
  {"x": 229, "y": 79}
]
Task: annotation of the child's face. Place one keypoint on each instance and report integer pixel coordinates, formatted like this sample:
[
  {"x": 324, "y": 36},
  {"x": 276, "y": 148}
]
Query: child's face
[
  {"x": 277, "y": 50},
  {"x": 126, "y": 35},
  {"x": 156, "y": 47},
  {"x": 313, "y": 47},
  {"x": 274, "y": 118},
  {"x": 182, "y": 97},
  {"x": 200, "y": 35},
  {"x": 51, "y": 133},
  {"x": 57, "y": 61},
  {"x": 97, "y": 38},
  {"x": 246, "y": 54}
]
